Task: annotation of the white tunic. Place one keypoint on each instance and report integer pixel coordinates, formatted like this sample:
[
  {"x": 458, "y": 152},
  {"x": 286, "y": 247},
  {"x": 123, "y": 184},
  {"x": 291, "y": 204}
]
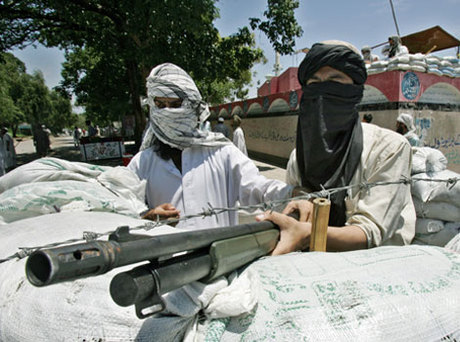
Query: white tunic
[
  {"x": 238, "y": 140},
  {"x": 220, "y": 176}
]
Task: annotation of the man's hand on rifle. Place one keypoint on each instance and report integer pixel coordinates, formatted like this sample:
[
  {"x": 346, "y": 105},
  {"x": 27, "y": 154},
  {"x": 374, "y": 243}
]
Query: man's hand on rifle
[
  {"x": 294, "y": 235},
  {"x": 303, "y": 208},
  {"x": 163, "y": 212}
]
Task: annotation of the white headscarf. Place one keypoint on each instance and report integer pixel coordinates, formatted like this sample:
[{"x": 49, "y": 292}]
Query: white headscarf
[
  {"x": 177, "y": 127},
  {"x": 407, "y": 120}
]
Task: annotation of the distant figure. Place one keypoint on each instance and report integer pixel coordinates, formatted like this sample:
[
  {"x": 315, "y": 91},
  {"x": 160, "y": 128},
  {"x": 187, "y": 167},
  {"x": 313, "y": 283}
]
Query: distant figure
[
  {"x": 221, "y": 128},
  {"x": 405, "y": 126},
  {"x": 367, "y": 118},
  {"x": 10, "y": 153},
  {"x": 92, "y": 131},
  {"x": 41, "y": 141},
  {"x": 205, "y": 126},
  {"x": 238, "y": 135},
  {"x": 76, "y": 136},
  {"x": 367, "y": 55},
  {"x": 396, "y": 47}
]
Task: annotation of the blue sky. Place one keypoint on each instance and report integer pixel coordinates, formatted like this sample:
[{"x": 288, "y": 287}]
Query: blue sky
[{"x": 361, "y": 22}]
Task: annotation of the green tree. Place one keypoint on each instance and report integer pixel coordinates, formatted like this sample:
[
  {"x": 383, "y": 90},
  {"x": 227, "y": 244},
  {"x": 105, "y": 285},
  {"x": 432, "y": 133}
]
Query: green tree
[
  {"x": 11, "y": 73},
  {"x": 26, "y": 98},
  {"x": 281, "y": 27},
  {"x": 112, "y": 46}
]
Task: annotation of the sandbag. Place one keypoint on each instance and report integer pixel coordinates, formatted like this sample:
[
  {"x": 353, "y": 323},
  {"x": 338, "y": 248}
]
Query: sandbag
[
  {"x": 50, "y": 169},
  {"x": 80, "y": 310},
  {"x": 427, "y": 160},
  {"x": 437, "y": 200},
  {"x": 34, "y": 199},
  {"x": 436, "y": 210},
  {"x": 382, "y": 294}
]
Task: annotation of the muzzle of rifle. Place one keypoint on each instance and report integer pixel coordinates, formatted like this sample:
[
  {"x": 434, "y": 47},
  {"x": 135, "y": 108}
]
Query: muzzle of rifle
[{"x": 50, "y": 266}]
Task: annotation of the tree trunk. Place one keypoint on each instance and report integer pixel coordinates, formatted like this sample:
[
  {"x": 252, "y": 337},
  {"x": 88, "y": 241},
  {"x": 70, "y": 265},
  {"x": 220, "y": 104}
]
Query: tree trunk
[{"x": 139, "y": 118}]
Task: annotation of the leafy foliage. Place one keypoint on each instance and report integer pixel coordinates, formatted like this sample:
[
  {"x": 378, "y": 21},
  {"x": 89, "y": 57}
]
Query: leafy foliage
[
  {"x": 112, "y": 46},
  {"x": 25, "y": 97},
  {"x": 281, "y": 27}
]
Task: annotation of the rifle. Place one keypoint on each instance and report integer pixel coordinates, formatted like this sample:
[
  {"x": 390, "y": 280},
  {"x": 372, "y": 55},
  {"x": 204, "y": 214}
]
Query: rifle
[{"x": 174, "y": 260}]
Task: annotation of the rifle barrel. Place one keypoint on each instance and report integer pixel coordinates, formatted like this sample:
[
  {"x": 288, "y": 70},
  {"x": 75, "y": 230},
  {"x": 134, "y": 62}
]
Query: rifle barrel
[{"x": 54, "y": 265}]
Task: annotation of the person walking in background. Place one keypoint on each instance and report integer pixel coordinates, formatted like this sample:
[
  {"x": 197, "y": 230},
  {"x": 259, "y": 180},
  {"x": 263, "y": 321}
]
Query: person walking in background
[
  {"x": 76, "y": 136},
  {"x": 10, "y": 152},
  {"x": 41, "y": 141},
  {"x": 92, "y": 131},
  {"x": 367, "y": 118},
  {"x": 221, "y": 128},
  {"x": 405, "y": 126},
  {"x": 238, "y": 135}
]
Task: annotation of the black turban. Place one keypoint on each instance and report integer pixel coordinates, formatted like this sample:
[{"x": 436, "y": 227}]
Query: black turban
[
  {"x": 339, "y": 57},
  {"x": 329, "y": 133}
]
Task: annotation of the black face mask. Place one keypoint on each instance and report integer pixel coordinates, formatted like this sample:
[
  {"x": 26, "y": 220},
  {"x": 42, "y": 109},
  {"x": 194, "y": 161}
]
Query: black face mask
[{"x": 329, "y": 139}]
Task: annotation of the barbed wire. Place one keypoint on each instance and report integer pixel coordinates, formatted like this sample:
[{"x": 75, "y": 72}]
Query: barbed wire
[{"x": 211, "y": 210}]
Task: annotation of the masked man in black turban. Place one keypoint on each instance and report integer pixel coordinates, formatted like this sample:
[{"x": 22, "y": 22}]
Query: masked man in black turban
[{"x": 334, "y": 149}]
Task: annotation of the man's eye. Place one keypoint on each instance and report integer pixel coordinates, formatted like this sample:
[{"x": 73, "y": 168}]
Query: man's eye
[{"x": 175, "y": 104}]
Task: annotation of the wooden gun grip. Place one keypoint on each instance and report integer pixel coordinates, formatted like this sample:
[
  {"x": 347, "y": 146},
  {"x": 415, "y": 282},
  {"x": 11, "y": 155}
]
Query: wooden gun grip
[{"x": 320, "y": 220}]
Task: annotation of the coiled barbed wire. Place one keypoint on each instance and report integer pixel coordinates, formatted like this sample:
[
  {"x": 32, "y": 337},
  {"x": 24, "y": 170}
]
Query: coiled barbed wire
[{"x": 210, "y": 211}]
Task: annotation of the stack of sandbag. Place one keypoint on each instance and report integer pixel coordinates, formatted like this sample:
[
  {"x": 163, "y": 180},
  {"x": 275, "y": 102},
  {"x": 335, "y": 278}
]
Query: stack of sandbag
[
  {"x": 432, "y": 64},
  {"x": 382, "y": 294},
  {"x": 51, "y": 185},
  {"x": 80, "y": 310},
  {"x": 437, "y": 203}
]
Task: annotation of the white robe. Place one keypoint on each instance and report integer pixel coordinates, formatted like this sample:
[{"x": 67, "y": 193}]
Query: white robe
[
  {"x": 221, "y": 176},
  {"x": 238, "y": 140}
]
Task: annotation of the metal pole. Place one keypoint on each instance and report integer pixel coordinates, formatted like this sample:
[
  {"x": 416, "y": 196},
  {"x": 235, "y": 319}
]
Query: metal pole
[{"x": 394, "y": 18}]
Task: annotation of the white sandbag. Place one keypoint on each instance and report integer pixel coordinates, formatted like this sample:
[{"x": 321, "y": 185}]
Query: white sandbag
[
  {"x": 398, "y": 66},
  {"x": 436, "y": 210},
  {"x": 382, "y": 294},
  {"x": 34, "y": 199},
  {"x": 417, "y": 57},
  {"x": 434, "y": 71},
  {"x": 373, "y": 71},
  {"x": 419, "y": 68},
  {"x": 405, "y": 59},
  {"x": 426, "y": 187},
  {"x": 50, "y": 169},
  {"x": 427, "y": 160},
  {"x": 81, "y": 310}
]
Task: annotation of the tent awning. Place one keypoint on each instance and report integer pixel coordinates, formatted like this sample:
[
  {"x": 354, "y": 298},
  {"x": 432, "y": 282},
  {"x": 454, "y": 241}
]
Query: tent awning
[{"x": 429, "y": 40}]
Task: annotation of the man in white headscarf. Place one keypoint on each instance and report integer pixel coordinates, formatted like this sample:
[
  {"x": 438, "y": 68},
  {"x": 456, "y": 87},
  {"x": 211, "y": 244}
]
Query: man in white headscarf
[
  {"x": 186, "y": 168},
  {"x": 368, "y": 56},
  {"x": 405, "y": 126}
]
